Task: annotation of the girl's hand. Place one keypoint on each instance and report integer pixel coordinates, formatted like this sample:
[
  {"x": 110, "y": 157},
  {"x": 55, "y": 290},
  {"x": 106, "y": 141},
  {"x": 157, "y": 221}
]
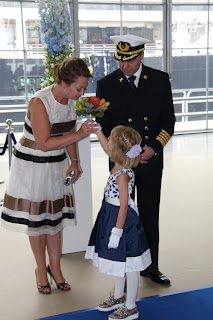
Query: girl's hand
[{"x": 114, "y": 238}]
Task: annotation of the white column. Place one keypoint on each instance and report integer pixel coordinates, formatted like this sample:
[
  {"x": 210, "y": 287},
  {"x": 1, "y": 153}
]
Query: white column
[{"x": 75, "y": 238}]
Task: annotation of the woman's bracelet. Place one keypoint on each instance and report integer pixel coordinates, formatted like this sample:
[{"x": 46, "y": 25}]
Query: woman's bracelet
[{"x": 74, "y": 159}]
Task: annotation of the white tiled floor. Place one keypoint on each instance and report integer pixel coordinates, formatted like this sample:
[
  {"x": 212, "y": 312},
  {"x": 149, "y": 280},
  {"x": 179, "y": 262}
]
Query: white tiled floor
[{"x": 186, "y": 238}]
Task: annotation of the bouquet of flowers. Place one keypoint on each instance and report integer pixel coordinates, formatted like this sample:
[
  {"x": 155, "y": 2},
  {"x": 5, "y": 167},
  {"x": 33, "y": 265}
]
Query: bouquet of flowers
[{"x": 91, "y": 106}]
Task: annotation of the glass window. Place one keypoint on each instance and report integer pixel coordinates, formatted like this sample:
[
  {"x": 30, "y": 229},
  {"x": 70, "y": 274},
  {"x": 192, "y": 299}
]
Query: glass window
[
  {"x": 190, "y": 1},
  {"x": 190, "y": 65},
  {"x": 210, "y": 52},
  {"x": 22, "y": 51},
  {"x": 189, "y": 27},
  {"x": 33, "y": 35},
  {"x": 139, "y": 1},
  {"x": 23, "y": 70},
  {"x": 147, "y": 22},
  {"x": 8, "y": 67},
  {"x": 34, "y": 50},
  {"x": 189, "y": 69},
  {"x": 98, "y": 22},
  {"x": 122, "y": 1},
  {"x": 10, "y": 27},
  {"x": 13, "y": 62}
]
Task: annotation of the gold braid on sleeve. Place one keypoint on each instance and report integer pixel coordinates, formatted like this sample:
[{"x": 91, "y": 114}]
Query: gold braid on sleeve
[{"x": 163, "y": 137}]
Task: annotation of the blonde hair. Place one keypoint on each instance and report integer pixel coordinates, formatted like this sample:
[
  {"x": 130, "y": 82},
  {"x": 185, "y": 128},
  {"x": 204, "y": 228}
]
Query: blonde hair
[
  {"x": 123, "y": 139},
  {"x": 70, "y": 69}
]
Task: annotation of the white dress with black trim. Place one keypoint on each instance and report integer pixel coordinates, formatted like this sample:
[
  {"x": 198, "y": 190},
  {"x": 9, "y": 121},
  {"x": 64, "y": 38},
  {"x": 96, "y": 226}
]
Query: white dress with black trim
[
  {"x": 133, "y": 253},
  {"x": 36, "y": 200}
]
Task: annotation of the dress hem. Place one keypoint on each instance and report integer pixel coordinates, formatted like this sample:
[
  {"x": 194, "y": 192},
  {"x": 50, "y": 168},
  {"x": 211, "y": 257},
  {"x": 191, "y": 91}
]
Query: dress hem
[{"x": 118, "y": 268}]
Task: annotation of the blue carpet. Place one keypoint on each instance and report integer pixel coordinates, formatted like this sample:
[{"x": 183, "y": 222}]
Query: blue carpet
[{"x": 187, "y": 305}]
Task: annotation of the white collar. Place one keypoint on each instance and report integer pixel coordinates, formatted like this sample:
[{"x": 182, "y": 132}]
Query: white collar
[{"x": 137, "y": 74}]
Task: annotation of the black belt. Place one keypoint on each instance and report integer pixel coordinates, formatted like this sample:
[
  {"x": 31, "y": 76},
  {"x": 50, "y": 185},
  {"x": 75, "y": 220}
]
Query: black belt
[
  {"x": 29, "y": 129},
  {"x": 29, "y": 157}
]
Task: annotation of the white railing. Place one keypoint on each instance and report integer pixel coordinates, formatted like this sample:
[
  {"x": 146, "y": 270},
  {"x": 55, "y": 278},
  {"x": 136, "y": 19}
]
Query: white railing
[
  {"x": 188, "y": 99},
  {"x": 182, "y": 98}
]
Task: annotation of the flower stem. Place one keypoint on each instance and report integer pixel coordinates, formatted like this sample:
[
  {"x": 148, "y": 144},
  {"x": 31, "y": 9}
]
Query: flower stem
[{"x": 90, "y": 116}]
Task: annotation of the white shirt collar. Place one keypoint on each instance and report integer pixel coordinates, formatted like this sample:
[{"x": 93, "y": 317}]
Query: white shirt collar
[{"x": 137, "y": 74}]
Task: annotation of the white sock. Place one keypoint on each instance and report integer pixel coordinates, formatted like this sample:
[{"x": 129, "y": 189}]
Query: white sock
[
  {"x": 119, "y": 287},
  {"x": 132, "y": 289}
]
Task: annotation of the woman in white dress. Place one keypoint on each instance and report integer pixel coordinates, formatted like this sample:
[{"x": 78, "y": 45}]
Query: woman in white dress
[{"x": 36, "y": 200}]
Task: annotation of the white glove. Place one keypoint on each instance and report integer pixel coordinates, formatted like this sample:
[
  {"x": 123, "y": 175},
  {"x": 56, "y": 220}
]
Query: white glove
[
  {"x": 114, "y": 238},
  {"x": 97, "y": 126}
]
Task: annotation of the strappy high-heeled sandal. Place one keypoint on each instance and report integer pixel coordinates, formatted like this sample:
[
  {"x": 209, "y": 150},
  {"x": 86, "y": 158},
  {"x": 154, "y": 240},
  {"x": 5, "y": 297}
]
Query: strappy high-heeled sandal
[
  {"x": 43, "y": 289},
  {"x": 61, "y": 285}
]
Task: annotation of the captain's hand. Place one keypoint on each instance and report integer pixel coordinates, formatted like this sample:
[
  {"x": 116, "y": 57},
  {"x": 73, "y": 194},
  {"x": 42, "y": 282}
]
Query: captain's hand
[
  {"x": 147, "y": 154},
  {"x": 114, "y": 238}
]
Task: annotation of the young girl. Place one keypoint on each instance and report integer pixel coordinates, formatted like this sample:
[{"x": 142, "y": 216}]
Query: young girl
[{"x": 118, "y": 244}]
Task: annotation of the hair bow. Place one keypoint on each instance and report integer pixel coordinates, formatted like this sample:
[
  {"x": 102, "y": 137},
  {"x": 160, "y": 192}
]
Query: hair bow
[{"x": 134, "y": 151}]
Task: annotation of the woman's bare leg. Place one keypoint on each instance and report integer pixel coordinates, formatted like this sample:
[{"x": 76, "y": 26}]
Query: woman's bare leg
[
  {"x": 54, "y": 252},
  {"x": 38, "y": 245}
]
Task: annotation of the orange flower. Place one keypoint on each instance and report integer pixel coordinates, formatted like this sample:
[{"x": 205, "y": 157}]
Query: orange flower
[{"x": 103, "y": 104}]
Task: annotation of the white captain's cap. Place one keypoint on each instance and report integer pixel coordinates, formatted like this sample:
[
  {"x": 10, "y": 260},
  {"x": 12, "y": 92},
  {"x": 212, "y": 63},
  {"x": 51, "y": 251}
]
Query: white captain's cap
[{"x": 128, "y": 46}]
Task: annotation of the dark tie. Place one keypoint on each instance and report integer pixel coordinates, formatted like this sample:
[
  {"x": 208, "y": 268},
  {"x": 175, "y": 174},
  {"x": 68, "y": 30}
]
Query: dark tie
[{"x": 131, "y": 80}]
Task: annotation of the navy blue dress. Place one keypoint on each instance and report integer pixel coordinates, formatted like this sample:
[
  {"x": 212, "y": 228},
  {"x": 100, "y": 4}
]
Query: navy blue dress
[{"x": 133, "y": 253}]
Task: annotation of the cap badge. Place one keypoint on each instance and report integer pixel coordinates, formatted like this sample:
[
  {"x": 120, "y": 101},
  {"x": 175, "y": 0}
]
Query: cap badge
[
  {"x": 123, "y": 46},
  {"x": 121, "y": 80},
  {"x": 145, "y": 77}
]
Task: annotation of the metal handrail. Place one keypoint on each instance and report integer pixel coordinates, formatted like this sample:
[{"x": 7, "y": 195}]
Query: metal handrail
[
  {"x": 193, "y": 114},
  {"x": 15, "y": 124},
  {"x": 12, "y": 111},
  {"x": 12, "y": 98},
  {"x": 194, "y": 98},
  {"x": 13, "y": 106}
]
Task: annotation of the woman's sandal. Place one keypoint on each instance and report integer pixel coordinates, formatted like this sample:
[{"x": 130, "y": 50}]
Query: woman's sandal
[
  {"x": 43, "y": 289},
  {"x": 61, "y": 285}
]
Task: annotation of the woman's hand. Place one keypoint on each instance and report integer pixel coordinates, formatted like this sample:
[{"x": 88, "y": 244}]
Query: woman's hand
[{"x": 74, "y": 167}]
